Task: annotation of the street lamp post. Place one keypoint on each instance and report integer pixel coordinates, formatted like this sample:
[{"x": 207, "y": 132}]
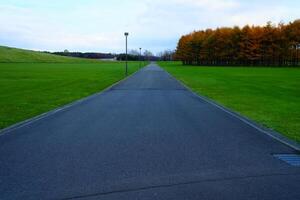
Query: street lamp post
[
  {"x": 140, "y": 57},
  {"x": 126, "y": 70}
]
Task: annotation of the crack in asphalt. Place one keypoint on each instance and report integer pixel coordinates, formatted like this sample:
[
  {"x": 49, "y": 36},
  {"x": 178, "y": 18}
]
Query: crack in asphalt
[{"x": 173, "y": 185}]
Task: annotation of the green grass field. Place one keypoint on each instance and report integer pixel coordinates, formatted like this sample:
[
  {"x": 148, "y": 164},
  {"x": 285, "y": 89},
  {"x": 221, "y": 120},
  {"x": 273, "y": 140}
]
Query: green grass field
[
  {"x": 29, "y": 89},
  {"x": 269, "y": 96}
]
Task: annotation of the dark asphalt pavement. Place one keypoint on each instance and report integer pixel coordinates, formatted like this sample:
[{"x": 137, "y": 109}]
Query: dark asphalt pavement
[{"x": 145, "y": 138}]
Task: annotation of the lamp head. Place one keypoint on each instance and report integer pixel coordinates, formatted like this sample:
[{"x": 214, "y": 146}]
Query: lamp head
[{"x": 126, "y": 33}]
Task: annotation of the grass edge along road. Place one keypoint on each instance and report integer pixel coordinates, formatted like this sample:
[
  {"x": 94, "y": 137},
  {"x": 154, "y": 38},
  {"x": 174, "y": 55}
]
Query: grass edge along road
[
  {"x": 30, "y": 89},
  {"x": 269, "y": 96}
]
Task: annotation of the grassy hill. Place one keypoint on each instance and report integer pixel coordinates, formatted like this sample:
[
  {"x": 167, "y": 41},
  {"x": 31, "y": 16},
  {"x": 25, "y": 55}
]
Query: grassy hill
[
  {"x": 32, "y": 83},
  {"x": 14, "y": 55}
]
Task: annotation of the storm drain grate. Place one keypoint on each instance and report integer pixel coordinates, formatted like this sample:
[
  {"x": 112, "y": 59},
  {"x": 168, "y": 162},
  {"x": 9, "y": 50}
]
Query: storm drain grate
[{"x": 291, "y": 159}]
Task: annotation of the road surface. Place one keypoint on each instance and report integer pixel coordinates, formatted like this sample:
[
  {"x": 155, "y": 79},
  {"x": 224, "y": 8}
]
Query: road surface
[{"x": 147, "y": 137}]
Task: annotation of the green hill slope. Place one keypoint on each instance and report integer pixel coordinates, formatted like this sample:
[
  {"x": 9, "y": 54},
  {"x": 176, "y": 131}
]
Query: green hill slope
[{"x": 14, "y": 55}]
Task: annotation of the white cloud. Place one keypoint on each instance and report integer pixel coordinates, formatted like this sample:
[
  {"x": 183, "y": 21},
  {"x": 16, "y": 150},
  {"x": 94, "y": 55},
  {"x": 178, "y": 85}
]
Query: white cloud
[
  {"x": 48, "y": 32},
  {"x": 261, "y": 16},
  {"x": 211, "y": 4},
  {"x": 91, "y": 25}
]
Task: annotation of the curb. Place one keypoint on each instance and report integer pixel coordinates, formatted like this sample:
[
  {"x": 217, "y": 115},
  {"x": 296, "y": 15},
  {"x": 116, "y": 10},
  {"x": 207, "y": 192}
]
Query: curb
[
  {"x": 272, "y": 133},
  {"x": 62, "y": 108}
]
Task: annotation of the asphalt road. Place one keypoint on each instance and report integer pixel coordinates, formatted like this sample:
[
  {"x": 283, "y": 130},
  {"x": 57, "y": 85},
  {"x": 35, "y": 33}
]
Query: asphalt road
[{"x": 145, "y": 138}]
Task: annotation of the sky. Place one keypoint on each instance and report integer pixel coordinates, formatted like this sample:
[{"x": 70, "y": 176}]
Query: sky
[{"x": 155, "y": 25}]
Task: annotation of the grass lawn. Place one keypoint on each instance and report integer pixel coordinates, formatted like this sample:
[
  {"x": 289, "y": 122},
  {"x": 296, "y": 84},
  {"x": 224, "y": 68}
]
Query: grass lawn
[
  {"x": 269, "y": 96},
  {"x": 29, "y": 89}
]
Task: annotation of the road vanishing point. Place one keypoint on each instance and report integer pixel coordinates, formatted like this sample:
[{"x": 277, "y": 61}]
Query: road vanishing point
[{"x": 147, "y": 137}]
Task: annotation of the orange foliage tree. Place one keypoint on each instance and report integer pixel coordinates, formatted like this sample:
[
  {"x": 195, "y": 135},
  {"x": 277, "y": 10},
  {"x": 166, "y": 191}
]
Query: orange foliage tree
[{"x": 251, "y": 45}]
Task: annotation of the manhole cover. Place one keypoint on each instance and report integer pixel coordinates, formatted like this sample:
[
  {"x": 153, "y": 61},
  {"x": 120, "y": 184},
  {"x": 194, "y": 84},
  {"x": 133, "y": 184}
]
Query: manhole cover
[{"x": 291, "y": 159}]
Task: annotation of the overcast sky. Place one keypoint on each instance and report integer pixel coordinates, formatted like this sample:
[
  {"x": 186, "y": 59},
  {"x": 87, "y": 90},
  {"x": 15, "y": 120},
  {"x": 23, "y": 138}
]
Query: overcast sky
[{"x": 96, "y": 25}]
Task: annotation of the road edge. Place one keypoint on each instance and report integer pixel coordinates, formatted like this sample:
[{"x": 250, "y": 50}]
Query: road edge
[
  {"x": 62, "y": 108},
  {"x": 270, "y": 132}
]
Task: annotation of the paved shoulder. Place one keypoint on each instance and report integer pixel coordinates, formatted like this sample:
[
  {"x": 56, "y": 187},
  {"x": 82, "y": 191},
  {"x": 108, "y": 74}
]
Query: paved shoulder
[{"x": 145, "y": 138}]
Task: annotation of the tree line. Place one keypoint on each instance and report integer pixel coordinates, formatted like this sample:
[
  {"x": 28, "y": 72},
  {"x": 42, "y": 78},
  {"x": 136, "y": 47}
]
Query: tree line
[
  {"x": 133, "y": 55},
  {"x": 269, "y": 45},
  {"x": 86, "y": 55},
  {"x": 167, "y": 55}
]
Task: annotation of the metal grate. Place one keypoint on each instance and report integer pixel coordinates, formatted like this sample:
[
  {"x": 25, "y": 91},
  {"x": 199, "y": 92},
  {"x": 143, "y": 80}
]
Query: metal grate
[{"x": 291, "y": 159}]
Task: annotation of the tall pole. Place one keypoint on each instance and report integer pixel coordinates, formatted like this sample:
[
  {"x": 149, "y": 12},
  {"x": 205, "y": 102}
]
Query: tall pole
[
  {"x": 298, "y": 47},
  {"x": 126, "y": 70},
  {"x": 140, "y": 57}
]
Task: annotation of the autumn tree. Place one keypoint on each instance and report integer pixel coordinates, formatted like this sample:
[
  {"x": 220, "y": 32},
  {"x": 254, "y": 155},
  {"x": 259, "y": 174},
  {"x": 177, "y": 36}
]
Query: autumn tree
[{"x": 251, "y": 45}]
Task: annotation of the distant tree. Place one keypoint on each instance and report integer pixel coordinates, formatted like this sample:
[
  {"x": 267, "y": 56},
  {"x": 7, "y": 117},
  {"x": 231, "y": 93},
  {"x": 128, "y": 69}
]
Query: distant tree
[
  {"x": 148, "y": 54},
  {"x": 134, "y": 52},
  {"x": 167, "y": 55}
]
